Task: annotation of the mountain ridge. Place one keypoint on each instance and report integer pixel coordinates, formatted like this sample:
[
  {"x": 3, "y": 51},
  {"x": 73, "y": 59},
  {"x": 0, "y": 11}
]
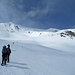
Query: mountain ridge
[{"x": 11, "y": 29}]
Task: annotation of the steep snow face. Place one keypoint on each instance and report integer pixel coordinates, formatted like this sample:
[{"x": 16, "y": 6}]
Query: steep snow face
[
  {"x": 7, "y": 30},
  {"x": 9, "y": 27},
  {"x": 10, "y": 31}
]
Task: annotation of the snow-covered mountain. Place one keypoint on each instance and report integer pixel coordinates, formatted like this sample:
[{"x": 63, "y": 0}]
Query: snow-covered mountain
[
  {"x": 46, "y": 37},
  {"x": 38, "y": 51},
  {"x": 10, "y": 28}
]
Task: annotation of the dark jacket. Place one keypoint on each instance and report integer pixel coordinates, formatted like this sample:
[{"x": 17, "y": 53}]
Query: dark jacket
[{"x": 8, "y": 50}]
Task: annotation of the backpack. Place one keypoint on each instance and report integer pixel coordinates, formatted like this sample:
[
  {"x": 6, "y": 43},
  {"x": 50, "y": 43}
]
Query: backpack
[{"x": 4, "y": 50}]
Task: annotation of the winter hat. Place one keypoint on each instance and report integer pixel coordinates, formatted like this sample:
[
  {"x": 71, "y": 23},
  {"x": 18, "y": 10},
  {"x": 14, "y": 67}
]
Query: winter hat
[{"x": 8, "y": 45}]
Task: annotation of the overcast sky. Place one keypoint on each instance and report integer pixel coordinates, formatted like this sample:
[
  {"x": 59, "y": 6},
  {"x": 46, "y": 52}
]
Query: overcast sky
[{"x": 39, "y": 13}]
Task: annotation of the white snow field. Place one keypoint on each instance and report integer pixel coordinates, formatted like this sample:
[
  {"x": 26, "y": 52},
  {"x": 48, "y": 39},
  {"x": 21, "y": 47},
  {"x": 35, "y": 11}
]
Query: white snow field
[{"x": 38, "y": 52}]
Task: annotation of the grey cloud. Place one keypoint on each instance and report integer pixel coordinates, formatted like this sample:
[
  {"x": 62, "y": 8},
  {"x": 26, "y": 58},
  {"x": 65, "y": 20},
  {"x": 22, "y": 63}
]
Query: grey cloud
[
  {"x": 11, "y": 11},
  {"x": 49, "y": 6}
]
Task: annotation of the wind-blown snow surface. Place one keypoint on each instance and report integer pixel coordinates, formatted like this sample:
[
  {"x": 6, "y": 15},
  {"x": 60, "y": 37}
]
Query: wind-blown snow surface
[{"x": 38, "y": 52}]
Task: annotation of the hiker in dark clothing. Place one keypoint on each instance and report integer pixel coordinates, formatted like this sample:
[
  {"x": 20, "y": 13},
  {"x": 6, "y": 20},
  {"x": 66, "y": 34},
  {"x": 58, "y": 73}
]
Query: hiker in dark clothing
[
  {"x": 8, "y": 52},
  {"x": 4, "y": 55}
]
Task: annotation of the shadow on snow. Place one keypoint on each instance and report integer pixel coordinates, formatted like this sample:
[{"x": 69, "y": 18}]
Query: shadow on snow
[{"x": 17, "y": 65}]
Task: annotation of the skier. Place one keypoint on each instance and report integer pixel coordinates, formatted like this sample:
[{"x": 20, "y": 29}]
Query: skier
[
  {"x": 8, "y": 52},
  {"x": 4, "y": 56}
]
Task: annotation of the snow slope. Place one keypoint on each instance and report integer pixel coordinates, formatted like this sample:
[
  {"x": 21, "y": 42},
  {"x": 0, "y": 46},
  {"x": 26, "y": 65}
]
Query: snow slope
[
  {"x": 30, "y": 58},
  {"x": 38, "y": 52}
]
